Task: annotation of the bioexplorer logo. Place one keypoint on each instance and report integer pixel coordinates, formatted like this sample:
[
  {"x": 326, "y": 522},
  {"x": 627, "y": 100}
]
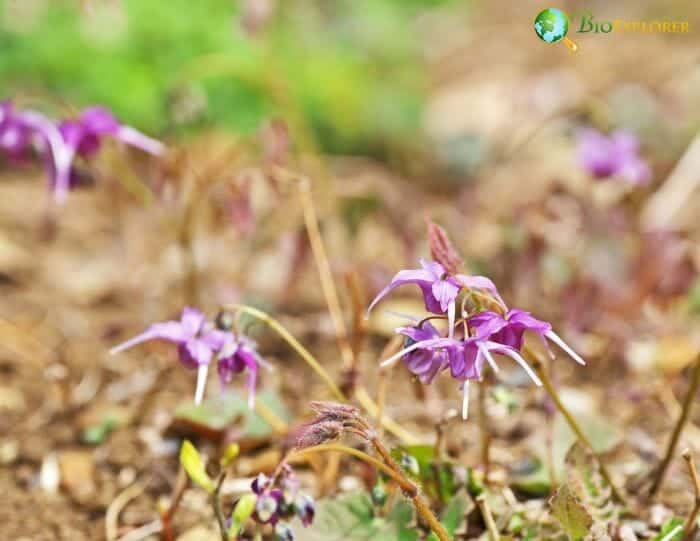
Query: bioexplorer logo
[{"x": 552, "y": 26}]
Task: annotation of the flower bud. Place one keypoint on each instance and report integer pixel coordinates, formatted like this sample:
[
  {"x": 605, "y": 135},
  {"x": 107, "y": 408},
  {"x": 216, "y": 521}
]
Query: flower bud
[
  {"x": 306, "y": 508},
  {"x": 266, "y": 508}
]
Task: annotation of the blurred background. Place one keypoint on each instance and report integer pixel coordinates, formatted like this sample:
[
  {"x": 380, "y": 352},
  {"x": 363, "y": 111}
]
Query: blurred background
[{"x": 397, "y": 110}]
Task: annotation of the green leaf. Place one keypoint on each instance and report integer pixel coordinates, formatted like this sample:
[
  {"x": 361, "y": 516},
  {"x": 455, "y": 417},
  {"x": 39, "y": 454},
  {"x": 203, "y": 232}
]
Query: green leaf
[
  {"x": 571, "y": 513},
  {"x": 584, "y": 478},
  {"x": 215, "y": 415},
  {"x": 241, "y": 513},
  {"x": 352, "y": 517},
  {"x": 673, "y": 526},
  {"x": 454, "y": 514},
  {"x": 192, "y": 462}
]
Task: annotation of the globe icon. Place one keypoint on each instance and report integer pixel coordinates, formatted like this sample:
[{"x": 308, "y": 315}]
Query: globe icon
[{"x": 551, "y": 25}]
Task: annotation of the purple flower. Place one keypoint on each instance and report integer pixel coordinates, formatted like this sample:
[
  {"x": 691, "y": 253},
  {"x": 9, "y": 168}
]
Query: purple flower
[
  {"x": 305, "y": 508},
  {"x": 83, "y": 137},
  {"x": 60, "y": 144},
  {"x": 465, "y": 358},
  {"x": 616, "y": 155},
  {"x": 509, "y": 330},
  {"x": 424, "y": 363},
  {"x": 236, "y": 355},
  {"x": 440, "y": 289},
  {"x": 197, "y": 341},
  {"x": 15, "y": 134}
]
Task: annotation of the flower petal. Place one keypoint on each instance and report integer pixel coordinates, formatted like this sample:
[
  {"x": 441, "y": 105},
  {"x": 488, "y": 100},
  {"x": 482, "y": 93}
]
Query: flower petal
[
  {"x": 554, "y": 337},
  {"x": 411, "y": 276},
  {"x": 170, "y": 330}
]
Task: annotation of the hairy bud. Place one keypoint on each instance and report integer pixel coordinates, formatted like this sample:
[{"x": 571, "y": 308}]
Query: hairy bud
[
  {"x": 333, "y": 411},
  {"x": 317, "y": 433},
  {"x": 441, "y": 248}
]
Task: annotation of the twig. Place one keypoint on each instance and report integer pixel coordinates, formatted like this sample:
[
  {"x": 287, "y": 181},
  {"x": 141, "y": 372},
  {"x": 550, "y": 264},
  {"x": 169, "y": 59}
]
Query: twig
[
  {"x": 142, "y": 532},
  {"x": 278, "y": 424},
  {"x": 296, "y": 345},
  {"x": 569, "y": 418},
  {"x": 181, "y": 483},
  {"x": 678, "y": 429},
  {"x": 324, "y": 271},
  {"x": 216, "y": 504},
  {"x": 693, "y": 517},
  {"x": 112, "y": 515},
  {"x": 488, "y": 517},
  {"x": 361, "y": 393}
]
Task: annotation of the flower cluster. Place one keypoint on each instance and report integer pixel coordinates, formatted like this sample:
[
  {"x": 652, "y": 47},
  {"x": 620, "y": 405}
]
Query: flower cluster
[
  {"x": 279, "y": 499},
  {"x": 471, "y": 341},
  {"x": 199, "y": 341},
  {"x": 613, "y": 156},
  {"x": 60, "y": 143}
]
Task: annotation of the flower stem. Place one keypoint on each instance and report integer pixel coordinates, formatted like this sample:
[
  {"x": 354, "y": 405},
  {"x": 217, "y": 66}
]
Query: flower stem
[
  {"x": 216, "y": 505},
  {"x": 296, "y": 345},
  {"x": 692, "y": 520},
  {"x": 392, "y": 470},
  {"x": 361, "y": 393},
  {"x": 357, "y": 454},
  {"x": 573, "y": 424},
  {"x": 678, "y": 429},
  {"x": 324, "y": 271}
]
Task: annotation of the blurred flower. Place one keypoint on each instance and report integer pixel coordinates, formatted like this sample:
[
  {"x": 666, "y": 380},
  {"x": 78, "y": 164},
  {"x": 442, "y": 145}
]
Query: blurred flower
[
  {"x": 15, "y": 135},
  {"x": 278, "y": 499},
  {"x": 59, "y": 144},
  {"x": 616, "y": 155},
  {"x": 83, "y": 137},
  {"x": 509, "y": 330},
  {"x": 198, "y": 341},
  {"x": 236, "y": 355},
  {"x": 305, "y": 508}
]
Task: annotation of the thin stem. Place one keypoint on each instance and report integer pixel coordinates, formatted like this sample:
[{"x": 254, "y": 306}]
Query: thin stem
[
  {"x": 673, "y": 442},
  {"x": 216, "y": 504},
  {"x": 326, "y": 447},
  {"x": 484, "y": 432},
  {"x": 693, "y": 517},
  {"x": 361, "y": 393},
  {"x": 324, "y": 271},
  {"x": 483, "y": 505},
  {"x": 270, "y": 417},
  {"x": 296, "y": 345},
  {"x": 573, "y": 424}
]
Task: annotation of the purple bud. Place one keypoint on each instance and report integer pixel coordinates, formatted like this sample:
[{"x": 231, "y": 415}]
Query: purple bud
[
  {"x": 266, "y": 508},
  {"x": 260, "y": 483},
  {"x": 441, "y": 248},
  {"x": 306, "y": 508}
]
